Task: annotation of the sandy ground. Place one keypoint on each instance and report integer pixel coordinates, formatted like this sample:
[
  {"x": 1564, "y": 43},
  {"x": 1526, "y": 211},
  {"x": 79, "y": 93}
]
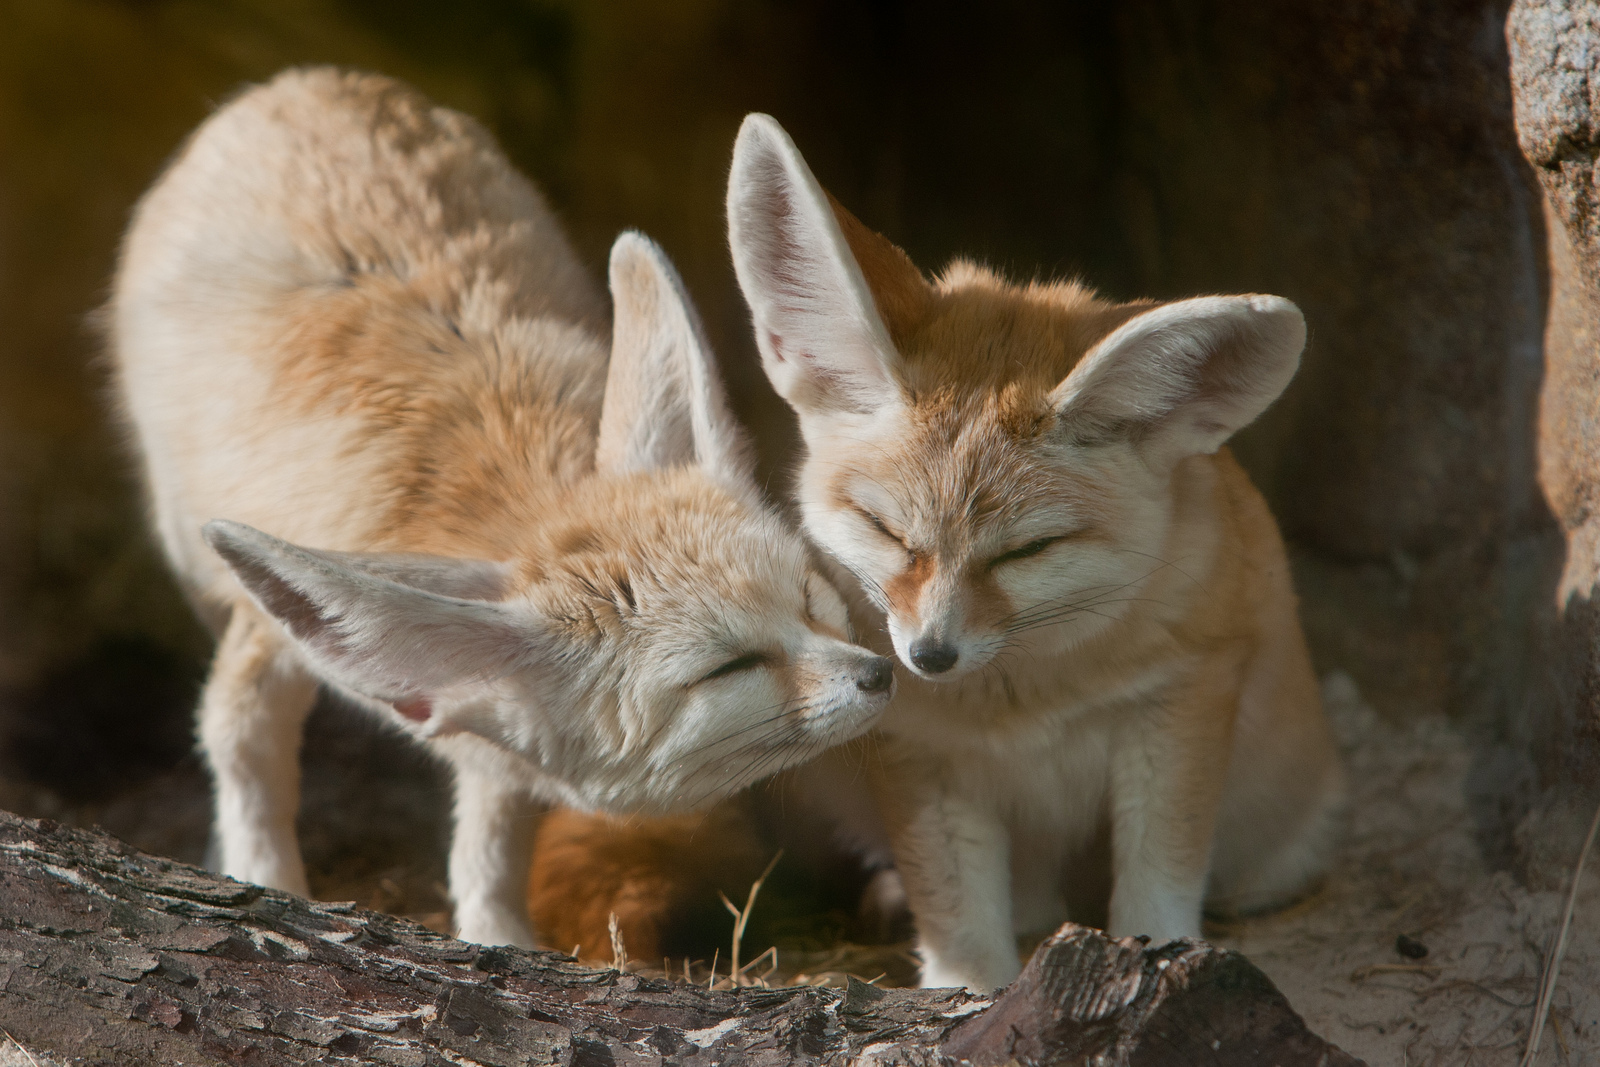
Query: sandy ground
[
  {"x": 1410, "y": 866},
  {"x": 376, "y": 824}
]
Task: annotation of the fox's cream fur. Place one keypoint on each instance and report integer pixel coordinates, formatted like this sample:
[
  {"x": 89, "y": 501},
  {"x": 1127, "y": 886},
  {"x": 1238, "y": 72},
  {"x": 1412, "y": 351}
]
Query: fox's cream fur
[
  {"x": 1030, "y": 484},
  {"x": 342, "y": 317}
]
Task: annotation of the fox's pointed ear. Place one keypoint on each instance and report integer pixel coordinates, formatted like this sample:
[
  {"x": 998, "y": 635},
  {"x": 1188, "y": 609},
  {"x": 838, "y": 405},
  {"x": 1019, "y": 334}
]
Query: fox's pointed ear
[
  {"x": 664, "y": 403},
  {"x": 824, "y": 344},
  {"x": 1184, "y": 377},
  {"x": 395, "y": 628}
]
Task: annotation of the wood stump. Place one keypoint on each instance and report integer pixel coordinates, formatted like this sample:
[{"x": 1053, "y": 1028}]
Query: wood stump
[{"x": 112, "y": 957}]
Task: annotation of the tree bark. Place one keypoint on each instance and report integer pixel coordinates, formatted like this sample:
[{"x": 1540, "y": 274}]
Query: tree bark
[{"x": 109, "y": 956}]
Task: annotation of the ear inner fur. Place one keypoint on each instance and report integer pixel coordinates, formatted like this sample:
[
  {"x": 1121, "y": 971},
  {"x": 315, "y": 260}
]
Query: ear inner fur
[
  {"x": 382, "y": 638},
  {"x": 664, "y": 401},
  {"x": 823, "y": 342},
  {"x": 1204, "y": 367}
]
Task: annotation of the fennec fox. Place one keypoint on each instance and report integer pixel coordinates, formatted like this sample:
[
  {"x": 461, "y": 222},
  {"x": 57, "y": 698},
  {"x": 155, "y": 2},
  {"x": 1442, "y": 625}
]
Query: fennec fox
[
  {"x": 342, "y": 316},
  {"x": 1031, "y": 486}
]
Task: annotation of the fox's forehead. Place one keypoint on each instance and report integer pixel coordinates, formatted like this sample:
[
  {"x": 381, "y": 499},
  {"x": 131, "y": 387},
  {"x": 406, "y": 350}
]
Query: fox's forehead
[
  {"x": 669, "y": 547},
  {"x": 982, "y": 336},
  {"x": 962, "y": 477},
  {"x": 968, "y": 456}
]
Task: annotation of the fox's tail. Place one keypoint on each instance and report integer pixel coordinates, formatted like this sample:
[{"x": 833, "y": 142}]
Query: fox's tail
[{"x": 659, "y": 877}]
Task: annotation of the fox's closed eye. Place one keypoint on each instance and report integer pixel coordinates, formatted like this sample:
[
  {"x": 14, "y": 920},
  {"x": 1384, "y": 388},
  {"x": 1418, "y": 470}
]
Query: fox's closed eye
[
  {"x": 746, "y": 662},
  {"x": 877, "y": 524},
  {"x": 1032, "y": 548}
]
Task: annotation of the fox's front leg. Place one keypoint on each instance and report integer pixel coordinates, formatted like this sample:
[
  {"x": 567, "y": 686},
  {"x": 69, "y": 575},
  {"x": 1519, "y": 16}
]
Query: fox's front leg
[
  {"x": 252, "y": 714},
  {"x": 953, "y": 856},
  {"x": 1168, "y": 766},
  {"x": 490, "y": 853}
]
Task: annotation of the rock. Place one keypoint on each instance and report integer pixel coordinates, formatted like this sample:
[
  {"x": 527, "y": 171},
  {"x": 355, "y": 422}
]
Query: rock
[{"x": 1555, "y": 53}]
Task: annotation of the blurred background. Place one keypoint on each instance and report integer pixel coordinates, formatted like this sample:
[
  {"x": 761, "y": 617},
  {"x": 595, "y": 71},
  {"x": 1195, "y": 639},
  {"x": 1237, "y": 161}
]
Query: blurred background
[{"x": 1357, "y": 156}]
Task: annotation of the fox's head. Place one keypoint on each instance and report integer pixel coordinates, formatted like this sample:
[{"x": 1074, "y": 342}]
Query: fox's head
[
  {"x": 655, "y": 638},
  {"x": 994, "y": 462}
]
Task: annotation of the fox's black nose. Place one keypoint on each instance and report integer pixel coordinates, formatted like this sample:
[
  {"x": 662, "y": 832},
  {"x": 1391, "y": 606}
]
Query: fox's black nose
[
  {"x": 933, "y": 657},
  {"x": 876, "y": 676}
]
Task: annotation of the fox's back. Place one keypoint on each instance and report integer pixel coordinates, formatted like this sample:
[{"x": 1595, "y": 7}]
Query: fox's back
[{"x": 340, "y": 315}]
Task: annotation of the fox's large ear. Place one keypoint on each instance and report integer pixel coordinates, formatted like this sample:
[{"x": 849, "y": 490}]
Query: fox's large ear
[
  {"x": 395, "y": 628},
  {"x": 823, "y": 343},
  {"x": 1184, "y": 377},
  {"x": 664, "y": 403}
]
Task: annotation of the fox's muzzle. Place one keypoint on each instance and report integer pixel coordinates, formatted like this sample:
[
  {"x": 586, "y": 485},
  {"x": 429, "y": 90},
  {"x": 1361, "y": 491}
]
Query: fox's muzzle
[{"x": 876, "y": 675}]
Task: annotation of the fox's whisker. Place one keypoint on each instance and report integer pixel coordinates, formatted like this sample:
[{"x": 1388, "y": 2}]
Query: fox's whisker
[
  {"x": 773, "y": 755},
  {"x": 759, "y": 743},
  {"x": 1166, "y": 562},
  {"x": 1089, "y": 591},
  {"x": 1066, "y": 602},
  {"x": 1092, "y": 590},
  {"x": 1073, "y": 610},
  {"x": 782, "y": 709},
  {"x": 788, "y": 721}
]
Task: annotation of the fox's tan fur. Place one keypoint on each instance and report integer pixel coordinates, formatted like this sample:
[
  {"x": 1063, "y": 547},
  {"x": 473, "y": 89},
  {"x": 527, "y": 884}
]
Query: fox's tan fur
[
  {"x": 1030, "y": 484},
  {"x": 650, "y": 875},
  {"x": 342, "y": 317}
]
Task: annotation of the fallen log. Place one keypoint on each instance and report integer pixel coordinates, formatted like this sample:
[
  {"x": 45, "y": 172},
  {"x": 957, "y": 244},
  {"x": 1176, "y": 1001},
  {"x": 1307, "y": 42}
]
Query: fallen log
[{"x": 112, "y": 957}]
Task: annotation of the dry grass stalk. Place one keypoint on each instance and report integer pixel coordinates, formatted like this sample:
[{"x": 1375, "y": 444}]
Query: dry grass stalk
[
  {"x": 760, "y": 979},
  {"x": 1552, "y": 962},
  {"x": 21, "y": 1047},
  {"x": 619, "y": 951},
  {"x": 740, "y": 919}
]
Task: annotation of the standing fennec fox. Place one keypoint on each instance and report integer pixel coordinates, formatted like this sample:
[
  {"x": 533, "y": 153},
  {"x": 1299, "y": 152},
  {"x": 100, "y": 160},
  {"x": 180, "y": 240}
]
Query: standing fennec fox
[
  {"x": 1030, "y": 484},
  {"x": 342, "y": 316}
]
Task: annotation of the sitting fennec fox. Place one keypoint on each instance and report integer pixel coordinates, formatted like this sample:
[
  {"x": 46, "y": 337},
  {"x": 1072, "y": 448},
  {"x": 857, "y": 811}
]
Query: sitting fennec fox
[
  {"x": 343, "y": 317},
  {"x": 1030, "y": 483}
]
